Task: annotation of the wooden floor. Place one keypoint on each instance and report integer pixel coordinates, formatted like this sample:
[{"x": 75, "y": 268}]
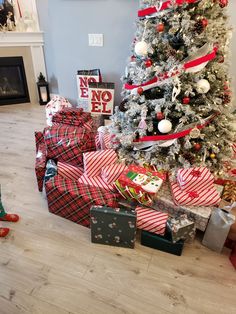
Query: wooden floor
[{"x": 48, "y": 265}]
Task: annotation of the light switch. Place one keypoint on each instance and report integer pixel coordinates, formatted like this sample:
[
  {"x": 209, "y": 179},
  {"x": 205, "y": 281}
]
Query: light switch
[{"x": 95, "y": 40}]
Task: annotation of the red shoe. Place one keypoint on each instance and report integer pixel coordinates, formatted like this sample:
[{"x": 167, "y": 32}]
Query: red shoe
[
  {"x": 10, "y": 218},
  {"x": 4, "y": 232}
]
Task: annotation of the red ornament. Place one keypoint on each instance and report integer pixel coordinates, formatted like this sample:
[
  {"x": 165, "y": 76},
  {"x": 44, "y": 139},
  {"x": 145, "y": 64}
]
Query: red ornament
[
  {"x": 132, "y": 58},
  {"x": 148, "y": 63},
  {"x": 204, "y": 22},
  {"x": 140, "y": 90},
  {"x": 160, "y": 27},
  {"x": 197, "y": 146},
  {"x": 186, "y": 100},
  {"x": 221, "y": 59},
  {"x": 160, "y": 116},
  {"x": 223, "y": 3}
]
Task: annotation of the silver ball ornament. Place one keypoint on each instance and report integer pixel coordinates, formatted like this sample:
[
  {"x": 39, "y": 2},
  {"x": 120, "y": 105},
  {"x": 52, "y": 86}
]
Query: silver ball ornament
[
  {"x": 164, "y": 126},
  {"x": 203, "y": 86},
  {"x": 141, "y": 48}
]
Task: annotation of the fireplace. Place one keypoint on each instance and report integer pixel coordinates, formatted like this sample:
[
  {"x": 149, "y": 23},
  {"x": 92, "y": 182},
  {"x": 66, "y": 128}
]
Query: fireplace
[{"x": 13, "y": 83}]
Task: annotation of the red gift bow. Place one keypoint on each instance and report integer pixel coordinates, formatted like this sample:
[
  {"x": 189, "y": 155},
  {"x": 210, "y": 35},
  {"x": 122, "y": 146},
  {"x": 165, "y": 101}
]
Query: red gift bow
[
  {"x": 165, "y": 5},
  {"x": 196, "y": 173},
  {"x": 193, "y": 194}
]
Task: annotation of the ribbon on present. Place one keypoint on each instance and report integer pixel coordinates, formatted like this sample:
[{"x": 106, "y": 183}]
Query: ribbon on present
[
  {"x": 196, "y": 173},
  {"x": 193, "y": 194}
]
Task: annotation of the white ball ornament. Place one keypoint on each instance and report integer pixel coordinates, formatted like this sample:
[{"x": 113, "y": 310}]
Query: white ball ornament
[
  {"x": 164, "y": 126},
  {"x": 141, "y": 48},
  {"x": 203, "y": 86}
]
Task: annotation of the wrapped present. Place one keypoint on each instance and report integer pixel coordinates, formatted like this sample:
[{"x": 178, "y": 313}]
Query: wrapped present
[
  {"x": 74, "y": 116},
  {"x": 195, "y": 179},
  {"x": 67, "y": 143},
  {"x": 113, "y": 226},
  {"x": 40, "y": 165},
  {"x": 181, "y": 228},
  {"x": 56, "y": 104},
  {"x": 139, "y": 183},
  {"x": 84, "y": 77},
  {"x": 94, "y": 161},
  {"x": 112, "y": 172},
  {"x": 151, "y": 220},
  {"x": 96, "y": 182},
  {"x": 232, "y": 209},
  {"x": 207, "y": 197},
  {"x": 68, "y": 171},
  {"x": 72, "y": 200},
  {"x": 39, "y": 139},
  {"x": 218, "y": 229},
  {"x": 229, "y": 193},
  {"x": 199, "y": 214},
  {"x": 161, "y": 243},
  {"x": 103, "y": 138}
]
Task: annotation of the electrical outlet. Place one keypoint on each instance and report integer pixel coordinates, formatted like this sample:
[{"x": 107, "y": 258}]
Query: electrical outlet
[{"x": 95, "y": 40}]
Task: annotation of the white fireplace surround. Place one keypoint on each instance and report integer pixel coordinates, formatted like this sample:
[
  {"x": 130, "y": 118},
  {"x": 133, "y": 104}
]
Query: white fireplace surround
[{"x": 33, "y": 40}]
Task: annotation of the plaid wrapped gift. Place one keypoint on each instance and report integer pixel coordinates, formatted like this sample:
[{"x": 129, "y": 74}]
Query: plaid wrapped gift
[
  {"x": 199, "y": 214},
  {"x": 68, "y": 143},
  {"x": 40, "y": 165},
  {"x": 151, "y": 220},
  {"x": 73, "y": 116},
  {"x": 72, "y": 200},
  {"x": 195, "y": 179},
  {"x": 39, "y": 138}
]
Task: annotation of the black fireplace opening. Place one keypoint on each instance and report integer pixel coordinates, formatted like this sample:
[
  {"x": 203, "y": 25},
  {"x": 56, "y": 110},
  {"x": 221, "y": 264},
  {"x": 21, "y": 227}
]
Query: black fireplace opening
[{"x": 13, "y": 83}]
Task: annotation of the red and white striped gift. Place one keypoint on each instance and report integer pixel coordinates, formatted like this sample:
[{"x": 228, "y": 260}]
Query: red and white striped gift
[
  {"x": 151, "y": 220},
  {"x": 207, "y": 197},
  {"x": 68, "y": 171},
  {"x": 112, "y": 172},
  {"x": 96, "y": 182},
  {"x": 94, "y": 161},
  {"x": 195, "y": 179},
  {"x": 103, "y": 141}
]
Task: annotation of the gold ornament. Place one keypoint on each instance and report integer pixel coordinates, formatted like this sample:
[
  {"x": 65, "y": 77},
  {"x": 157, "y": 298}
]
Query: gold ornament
[{"x": 213, "y": 156}]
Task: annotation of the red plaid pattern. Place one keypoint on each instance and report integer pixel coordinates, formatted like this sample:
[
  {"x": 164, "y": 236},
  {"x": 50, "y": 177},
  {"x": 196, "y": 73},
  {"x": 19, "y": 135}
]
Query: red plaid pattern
[
  {"x": 72, "y": 116},
  {"x": 151, "y": 220},
  {"x": 68, "y": 171},
  {"x": 72, "y": 200},
  {"x": 94, "y": 161},
  {"x": 67, "y": 143},
  {"x": 112, "y": 172},
  {"x": 40, "y": 165},
  {"x": 38, "y": 138},
  {"x": 96, "y": 182}
]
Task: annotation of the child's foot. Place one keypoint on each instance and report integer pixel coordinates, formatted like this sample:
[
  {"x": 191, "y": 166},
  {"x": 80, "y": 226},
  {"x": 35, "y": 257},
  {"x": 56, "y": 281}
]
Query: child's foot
[
  {"x": 10, "y": 218},
  {"x": 4, "y": 232}
]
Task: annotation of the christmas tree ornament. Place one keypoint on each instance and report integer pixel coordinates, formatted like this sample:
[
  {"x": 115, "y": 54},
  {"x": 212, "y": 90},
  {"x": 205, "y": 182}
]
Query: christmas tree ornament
[
  {"x": 148, "y": 63},
  {"x": 195, "y": 133},
  {"x": 204, "y": 22},
  {"x": 186, "y": 100},
  {"x": 132, "y": 59},
  {"x": 122, "y": 107},
  {"x": 203, "y": 86},
  {"x": 199, "y": 27},
  {"x": 142, "y": 124},
  {"x": 226, "y": 98},
  {"x": 160, "y": 27},
  {"x": 140, "y": 90},
  {"x": 223, "y": 3},
  {"x": 197, "y": 147},
  {"x": 212, "y": 156},
  {"x": 164, "y": 126},
  {"x": 160, "y": 116},
  {"x": 141, "y": 48}
]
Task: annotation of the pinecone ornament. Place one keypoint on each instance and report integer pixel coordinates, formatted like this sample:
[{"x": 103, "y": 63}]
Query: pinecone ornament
[
  {"x": 189, "y": 157},
  {"x": 226, "y": 99},
  {"x": 199, "y": 27}
]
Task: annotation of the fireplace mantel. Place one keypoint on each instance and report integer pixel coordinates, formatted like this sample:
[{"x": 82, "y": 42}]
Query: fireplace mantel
[
  {"x": 11, "y": 39},
  {"x": 33, "y": 40}
]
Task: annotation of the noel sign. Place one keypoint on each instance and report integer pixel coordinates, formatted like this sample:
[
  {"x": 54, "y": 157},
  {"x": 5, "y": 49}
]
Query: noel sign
[
  {"x": 84, "y": 77},
  {"x": 101, "y": 98}
]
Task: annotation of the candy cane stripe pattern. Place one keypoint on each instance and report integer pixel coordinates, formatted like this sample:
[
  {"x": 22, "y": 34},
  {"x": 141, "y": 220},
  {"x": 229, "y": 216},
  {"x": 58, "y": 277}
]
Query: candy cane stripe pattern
[
  {"x": 206, "y": 197},
  {"x": 95, "y": 182},
  {"x": 195, "y": 179},
  {"x": 94, "y": 161},
  {"x": 111, "y": 173},
  {"x": 151, "y": 220},
  {"x": 68, "y": 171}
]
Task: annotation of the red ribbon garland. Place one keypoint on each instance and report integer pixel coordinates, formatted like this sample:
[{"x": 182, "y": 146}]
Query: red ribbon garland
[
  {"x": 174, "y": 135},
  {"x": 165, "y": 5},
  {"x": 186, "y": 66}
]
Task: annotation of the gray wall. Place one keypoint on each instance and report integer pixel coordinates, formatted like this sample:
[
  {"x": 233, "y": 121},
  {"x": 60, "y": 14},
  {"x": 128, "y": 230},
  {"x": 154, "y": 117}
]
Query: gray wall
[{"x": 67, "y": 23}]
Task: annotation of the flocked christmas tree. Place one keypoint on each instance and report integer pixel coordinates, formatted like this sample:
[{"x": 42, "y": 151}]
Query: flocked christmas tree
[{"x": 177, "y": 102}]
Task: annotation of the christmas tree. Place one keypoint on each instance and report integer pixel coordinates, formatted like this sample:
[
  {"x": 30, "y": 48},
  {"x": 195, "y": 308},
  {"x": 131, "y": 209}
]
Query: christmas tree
[{"x": 177, "y": 103}]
